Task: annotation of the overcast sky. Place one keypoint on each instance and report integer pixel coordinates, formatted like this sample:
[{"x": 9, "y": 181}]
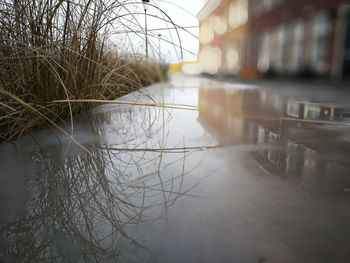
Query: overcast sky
[{"x": 182, "y": 12}]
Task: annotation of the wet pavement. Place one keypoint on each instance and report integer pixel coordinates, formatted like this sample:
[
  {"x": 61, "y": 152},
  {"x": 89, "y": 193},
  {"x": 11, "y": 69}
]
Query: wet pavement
[{"x": 223, "y": 173}]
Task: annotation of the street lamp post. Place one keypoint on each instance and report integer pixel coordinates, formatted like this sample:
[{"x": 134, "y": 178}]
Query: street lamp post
[
  {"x": 159, "y": 39},
  {"x": 146, "y": 35}
]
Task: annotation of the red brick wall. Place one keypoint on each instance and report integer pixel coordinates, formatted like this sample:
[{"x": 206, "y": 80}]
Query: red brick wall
[
  {"x": 288, "y": 11},
  {"x": 284, "y": 13}
]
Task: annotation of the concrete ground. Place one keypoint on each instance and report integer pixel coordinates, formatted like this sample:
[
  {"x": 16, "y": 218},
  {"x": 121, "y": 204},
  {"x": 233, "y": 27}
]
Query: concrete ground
[{"x": 205, "y": 171}]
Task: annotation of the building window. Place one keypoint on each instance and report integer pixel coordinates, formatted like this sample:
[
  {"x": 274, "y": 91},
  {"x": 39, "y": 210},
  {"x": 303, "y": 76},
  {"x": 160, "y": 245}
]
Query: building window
[
  {"x": 262, "y": 6},
  {"x": 264, "y": 52},
  {"x": 219, "y": 24},
  {"x": 238, "y": 13},
  {"x": 266, "y": 4},
  {"x": 210, "y": 59},
  {"x": 293, "y": 108},
  {"x": 297, "y": 46},
  {"x": 320, "y": 34},
  {"x": 232, "y": 60},
  {"x": 280, "y": 39},
  {"x": 261, "y": 135},
  {"x": 312, "y": 112},
  {"x": 206, "y": 35},
  {"x": 272, "y": 50}
]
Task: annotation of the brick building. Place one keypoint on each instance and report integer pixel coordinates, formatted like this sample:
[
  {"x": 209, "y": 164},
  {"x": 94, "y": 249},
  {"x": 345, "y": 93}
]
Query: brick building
[
  {"x": 286, "y": 37},
  {"x": 223, "y": 30}
]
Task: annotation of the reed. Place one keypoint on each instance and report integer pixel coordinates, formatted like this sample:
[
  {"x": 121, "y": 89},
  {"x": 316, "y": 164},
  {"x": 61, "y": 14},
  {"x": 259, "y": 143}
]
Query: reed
[{"x": 62, "y": 50}]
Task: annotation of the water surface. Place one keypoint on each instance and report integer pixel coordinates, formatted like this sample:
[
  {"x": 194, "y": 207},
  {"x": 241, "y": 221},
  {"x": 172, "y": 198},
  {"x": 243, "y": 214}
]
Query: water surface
[{"x": 232, "y": 173}]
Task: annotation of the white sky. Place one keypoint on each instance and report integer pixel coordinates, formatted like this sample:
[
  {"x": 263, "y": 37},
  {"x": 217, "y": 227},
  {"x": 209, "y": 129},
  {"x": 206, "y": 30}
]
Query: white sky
[{"x": 183, "y": 13}]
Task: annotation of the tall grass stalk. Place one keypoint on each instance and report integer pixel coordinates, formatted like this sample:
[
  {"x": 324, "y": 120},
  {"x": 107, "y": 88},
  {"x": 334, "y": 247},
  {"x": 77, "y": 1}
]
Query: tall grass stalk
[{"x": 61, "y": 49}]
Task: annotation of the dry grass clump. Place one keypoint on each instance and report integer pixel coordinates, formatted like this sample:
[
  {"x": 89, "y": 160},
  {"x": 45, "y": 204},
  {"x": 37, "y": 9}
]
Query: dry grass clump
[{"x": 61, "y": 49}]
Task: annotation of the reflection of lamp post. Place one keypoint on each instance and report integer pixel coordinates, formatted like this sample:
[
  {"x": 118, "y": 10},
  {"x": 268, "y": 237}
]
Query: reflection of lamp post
[
  {"x": 146, "y": 36},
  {"x": 159, "y": 38}
]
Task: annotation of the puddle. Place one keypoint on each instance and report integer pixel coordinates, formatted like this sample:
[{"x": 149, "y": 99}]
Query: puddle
[{"x": 246, "y": 175}]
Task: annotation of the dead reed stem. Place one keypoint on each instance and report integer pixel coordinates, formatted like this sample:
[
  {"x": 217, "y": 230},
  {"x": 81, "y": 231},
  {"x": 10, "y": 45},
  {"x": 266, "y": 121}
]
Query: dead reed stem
[{"x": 121, "y": 102}]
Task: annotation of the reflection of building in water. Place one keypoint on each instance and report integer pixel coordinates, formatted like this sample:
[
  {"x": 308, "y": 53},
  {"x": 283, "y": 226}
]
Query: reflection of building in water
[
  {"x": 280, "y": 36},
  {"x": 255, "y": 117},
  {"x": 231, "y": 114},
  {"x": 316, "y": 111}
]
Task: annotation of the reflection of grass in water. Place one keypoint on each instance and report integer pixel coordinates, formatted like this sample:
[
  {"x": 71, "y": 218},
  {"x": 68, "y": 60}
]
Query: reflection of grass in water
[{"x": 80, "y": 206}]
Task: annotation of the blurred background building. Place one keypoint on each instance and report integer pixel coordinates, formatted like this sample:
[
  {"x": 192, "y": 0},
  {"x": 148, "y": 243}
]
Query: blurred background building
[{"x": 275, "y": 37}]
